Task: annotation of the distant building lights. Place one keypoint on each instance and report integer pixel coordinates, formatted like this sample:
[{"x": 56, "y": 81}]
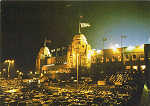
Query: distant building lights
[
  {"x": 143, "y": 67},
  {"x": 130, "y": 48},
  {"x": 128, "y": 67},
  {"x": 135, "y": 67}
]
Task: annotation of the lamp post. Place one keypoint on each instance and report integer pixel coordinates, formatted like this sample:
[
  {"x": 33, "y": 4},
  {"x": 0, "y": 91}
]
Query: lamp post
[
  {"x": 77, "y": 63},
  {"x": 77, "y": 70},
  {"x": 9, "y": 64}
]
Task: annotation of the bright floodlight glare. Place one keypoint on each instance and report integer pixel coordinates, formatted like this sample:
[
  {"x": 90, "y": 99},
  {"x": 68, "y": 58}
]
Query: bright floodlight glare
[
  {"x": 98, "y": 51},
  {"x": 114, "y": 47},
  {"x": 117, "y": 45}
]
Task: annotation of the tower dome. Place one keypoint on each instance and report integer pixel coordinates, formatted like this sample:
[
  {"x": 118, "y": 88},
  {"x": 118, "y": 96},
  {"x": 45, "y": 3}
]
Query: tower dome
[
  {"x": 44, "y": 52},
  {"x": 80, "y": 37}
]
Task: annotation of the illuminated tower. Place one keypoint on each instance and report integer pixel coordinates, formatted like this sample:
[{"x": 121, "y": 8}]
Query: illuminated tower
[
  {"x": 81, "y": 48},
  {"x": 42, "y": 57}
]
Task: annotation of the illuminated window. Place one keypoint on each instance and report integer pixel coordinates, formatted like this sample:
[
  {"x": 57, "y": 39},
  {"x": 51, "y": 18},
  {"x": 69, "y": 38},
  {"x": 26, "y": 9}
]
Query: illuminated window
[
  {"x": 134, "y": 56},
  {"x": 102, "y": 60},
  {"x": 135, "y": 67},
  {"x": 143, "y": 67},
  {"x": 127, "y": 57},
  {"x": 113, "y": 58},
  {"x": 128, "y": 67},
  {"x": 107, "y": 59},
  {"x": 142, "y": 58},
  {"x": 119, "y": 58}
]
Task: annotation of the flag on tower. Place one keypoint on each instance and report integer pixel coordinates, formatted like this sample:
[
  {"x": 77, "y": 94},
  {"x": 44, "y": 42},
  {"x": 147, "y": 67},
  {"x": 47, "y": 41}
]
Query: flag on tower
[{"x": 83, "y": 25}]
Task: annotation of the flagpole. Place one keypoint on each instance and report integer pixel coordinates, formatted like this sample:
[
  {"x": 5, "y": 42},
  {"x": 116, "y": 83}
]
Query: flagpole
[{"x": 79, "y": 27}]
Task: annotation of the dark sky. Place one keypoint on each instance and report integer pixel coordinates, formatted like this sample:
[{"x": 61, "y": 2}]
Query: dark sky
[{"x": 25, "y": 24}]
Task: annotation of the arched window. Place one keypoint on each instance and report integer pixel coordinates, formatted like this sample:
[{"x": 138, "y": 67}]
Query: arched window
[{"x": 134, "y": 56}]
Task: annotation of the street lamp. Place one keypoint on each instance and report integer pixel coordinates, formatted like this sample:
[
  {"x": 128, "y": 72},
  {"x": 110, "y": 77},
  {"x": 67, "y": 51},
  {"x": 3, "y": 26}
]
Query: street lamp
[
  {"x": 9, "y": 64},
  {"x": 77, "y": 70}
]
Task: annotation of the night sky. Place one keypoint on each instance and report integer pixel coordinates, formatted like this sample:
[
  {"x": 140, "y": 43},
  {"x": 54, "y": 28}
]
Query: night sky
[{"x": 25, "y": 24}]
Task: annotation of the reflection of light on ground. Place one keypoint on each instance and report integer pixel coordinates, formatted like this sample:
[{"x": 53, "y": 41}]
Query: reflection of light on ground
[
  {"x": 12, "y": 90},
  {"x": 25, "y": 92}
]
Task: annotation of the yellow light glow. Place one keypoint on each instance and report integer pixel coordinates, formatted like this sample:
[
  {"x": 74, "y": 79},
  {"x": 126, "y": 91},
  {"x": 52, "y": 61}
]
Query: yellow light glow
[
  {"x": 101, "y": 82},
  {"x": 9, "y": 61},
  {"x": 20, "y": 73},
  {"x": 135, "y": 67},
  {"x": 12, "y": 61},
  {"x": 6, "y": 61},
  {"x": 143, "y": 67},
  {"x": 140, "y": 48},
  {"x": 146, "y": 88},
  {"x": 12, "y": 90},
  {"x": 17, "y": 71},
  {"x": 128, "y": 67}
]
